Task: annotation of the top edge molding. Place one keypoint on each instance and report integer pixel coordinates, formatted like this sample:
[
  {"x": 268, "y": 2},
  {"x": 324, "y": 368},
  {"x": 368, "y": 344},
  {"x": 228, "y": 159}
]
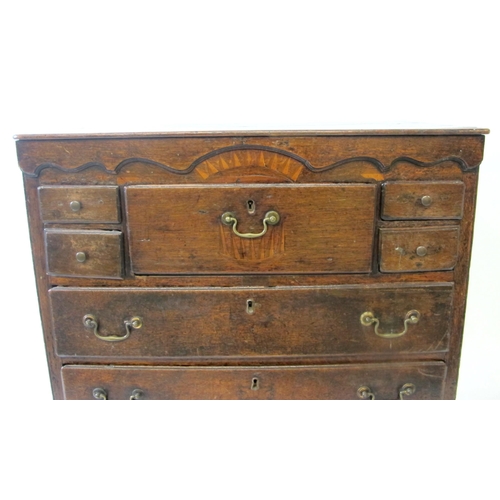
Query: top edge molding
[{"x": 254, "y": 133}]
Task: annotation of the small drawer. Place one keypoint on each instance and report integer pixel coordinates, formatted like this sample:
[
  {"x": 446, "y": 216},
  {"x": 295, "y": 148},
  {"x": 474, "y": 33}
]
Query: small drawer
[
  {"x": 422, "y": 200},
  {"x": 252, "y": 323},
  {"x": 416, "y": 380},
  {"x": 91, "y": 254},
  {"x": 418, "y": 249},
  {"x": 79, "y": 204}
]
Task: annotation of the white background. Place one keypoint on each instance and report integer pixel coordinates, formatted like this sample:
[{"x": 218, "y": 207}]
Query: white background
[{"x": 160, "y": 66}]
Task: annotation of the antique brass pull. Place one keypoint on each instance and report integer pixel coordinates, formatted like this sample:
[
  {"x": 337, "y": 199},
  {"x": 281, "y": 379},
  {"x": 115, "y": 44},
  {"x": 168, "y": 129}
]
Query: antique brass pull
[
  {"x": 407, "y": 390},
  {"x": 367, "y": 319},
  {"x": 91, "y": 322},
  {"x": 99, "y": 393},
  {"x": 364, "y": 392},
  {"x": 271, "y": 219}
]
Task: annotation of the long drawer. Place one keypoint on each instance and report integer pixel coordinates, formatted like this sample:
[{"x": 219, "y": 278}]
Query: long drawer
[
  {"x": 356, "y": 381},
  {"x": 251, "y": 322}
]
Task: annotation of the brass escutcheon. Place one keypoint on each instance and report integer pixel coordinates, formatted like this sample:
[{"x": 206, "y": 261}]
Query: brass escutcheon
[
  {"x": 255, "y": 384},
  {"x": 367, "y": 318},
  {"x": 91, "y": 322},
  {"x": 270, "y": 219}
]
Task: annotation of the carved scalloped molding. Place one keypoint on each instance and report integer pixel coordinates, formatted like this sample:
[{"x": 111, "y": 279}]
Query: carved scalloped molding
[{"x": 285, "y": 162}]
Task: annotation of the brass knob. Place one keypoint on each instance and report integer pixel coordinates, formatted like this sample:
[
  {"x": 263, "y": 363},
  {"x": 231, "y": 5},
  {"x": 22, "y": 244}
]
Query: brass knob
[
  {"x": 75, "y": 206},
  {"x": 81, "y": 257},
  {"x": 421, "y": 251},
  {"x": 426, "y": 201}
]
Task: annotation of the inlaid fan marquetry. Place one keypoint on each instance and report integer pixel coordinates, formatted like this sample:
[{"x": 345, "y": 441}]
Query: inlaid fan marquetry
[{"x": 283, "y": 164}]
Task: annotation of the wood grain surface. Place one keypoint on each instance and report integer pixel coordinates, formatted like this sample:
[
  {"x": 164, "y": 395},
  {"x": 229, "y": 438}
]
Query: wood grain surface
[
  {"x": 97, "y": 204},
  {"x": 242, "y": 323},
  {"x": 102, "y": 252},
  {"x": 413, "y": 249},
  {"x": 405, "y": 200},
  {"x": 322, "y": 229},
  {"x": 264, "y": 382}
]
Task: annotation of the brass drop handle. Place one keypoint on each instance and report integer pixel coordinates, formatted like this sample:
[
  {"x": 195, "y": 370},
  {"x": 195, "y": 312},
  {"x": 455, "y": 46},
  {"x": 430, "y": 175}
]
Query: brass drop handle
[
  {"x": 91, "y": 322},
  {"x": 411, "y": 318},
  {"x": 270, "y": 219}
]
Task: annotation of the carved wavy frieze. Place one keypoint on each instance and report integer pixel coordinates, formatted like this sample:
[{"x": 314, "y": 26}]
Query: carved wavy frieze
[{"x": 285, "y": 162}]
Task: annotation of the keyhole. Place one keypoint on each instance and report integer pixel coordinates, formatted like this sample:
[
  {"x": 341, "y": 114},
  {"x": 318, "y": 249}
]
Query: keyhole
[
  {"x": 251, "y": 206},
  {"x": 255, "y": 384},
  {"x": 250, "y": 304}
]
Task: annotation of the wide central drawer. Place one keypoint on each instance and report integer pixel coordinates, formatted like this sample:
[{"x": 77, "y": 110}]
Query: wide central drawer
[
  {"x": 356, "y": 381},
  {"x": 250, "y": 322},
  {"x": 256, "y": 228}
]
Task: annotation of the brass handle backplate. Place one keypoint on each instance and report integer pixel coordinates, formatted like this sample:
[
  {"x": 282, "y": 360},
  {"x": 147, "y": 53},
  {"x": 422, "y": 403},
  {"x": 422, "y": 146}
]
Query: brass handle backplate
[
  {"x": 411, "y": 318},
  {"x": 136, "y": 394},
  {"x": 91, "y": 322},
  {"x": 364, "y": 392},
  {"x": 99, "y": 393},
  {"x": 407, "y": 390},
  {"x": 270, "y": 219}
]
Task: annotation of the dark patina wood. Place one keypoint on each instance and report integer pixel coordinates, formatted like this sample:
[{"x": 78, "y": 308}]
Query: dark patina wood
[
  {"x": 184, "y": 156},
  {"x": 422, "y": 200},
  {"x": 81, "y": 204},
  {"x": 263, "y": 382},
  {"x": 94, "y": 254},
  {"x": 251, "y": 322},
  {"x": 192, "y": 281},
  {"x": 425, "y": 249},
  {"x": 322, "y": 228}
]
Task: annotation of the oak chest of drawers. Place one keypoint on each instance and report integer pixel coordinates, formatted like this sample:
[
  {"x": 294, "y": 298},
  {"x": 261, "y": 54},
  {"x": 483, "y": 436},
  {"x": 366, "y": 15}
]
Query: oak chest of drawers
[{"x": 253, "y": 265}]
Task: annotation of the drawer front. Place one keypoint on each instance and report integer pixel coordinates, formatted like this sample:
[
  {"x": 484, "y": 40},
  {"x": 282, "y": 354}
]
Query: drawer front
[
  {"x": 250, "y": 322},
  {"x": 422, "y": 200},
  {"x": 79, "y": 204},
  {"x": 96, "y": 254},
  {"x": 316, "y": 228},
  {"x": 418, "y": 249},
  {"x": 372, "y": 381}
]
